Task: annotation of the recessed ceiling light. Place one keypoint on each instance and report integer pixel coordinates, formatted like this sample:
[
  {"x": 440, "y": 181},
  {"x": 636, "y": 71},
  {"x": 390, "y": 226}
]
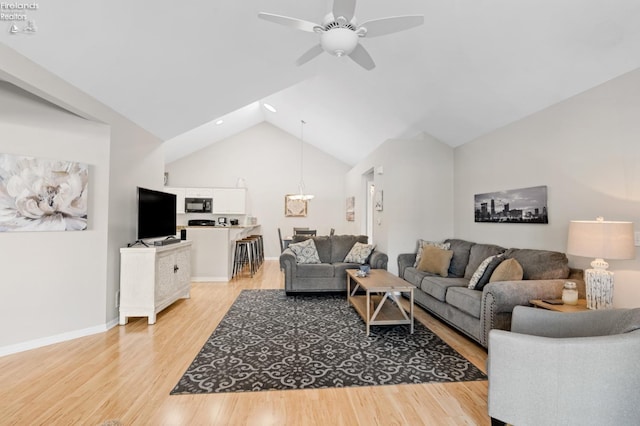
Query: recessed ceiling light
[
  {"x": 269, "y": 107},
  {"x": 219, "y": 122}
]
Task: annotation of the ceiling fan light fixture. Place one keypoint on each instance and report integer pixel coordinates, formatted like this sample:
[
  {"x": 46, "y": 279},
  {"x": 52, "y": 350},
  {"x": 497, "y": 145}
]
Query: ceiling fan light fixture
[{"x": 339, "y": 41}]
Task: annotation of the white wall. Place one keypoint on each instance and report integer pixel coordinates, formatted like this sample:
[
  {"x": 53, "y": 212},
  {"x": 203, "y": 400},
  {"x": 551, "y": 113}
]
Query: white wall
[
  {"x": 268, "y": 159},
  {"x": 72, "y": 293},
  {"x": 45, "y": 271},
  {"x": 586, "y": 150},
  {"x": 417, "y": 185}
]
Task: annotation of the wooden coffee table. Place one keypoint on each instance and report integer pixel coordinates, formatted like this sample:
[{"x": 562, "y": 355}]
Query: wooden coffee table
[{"x": 379, "y": 305}]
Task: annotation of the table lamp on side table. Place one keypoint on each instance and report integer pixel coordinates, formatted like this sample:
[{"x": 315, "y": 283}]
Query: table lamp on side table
[{"x": 603, "y": 240}]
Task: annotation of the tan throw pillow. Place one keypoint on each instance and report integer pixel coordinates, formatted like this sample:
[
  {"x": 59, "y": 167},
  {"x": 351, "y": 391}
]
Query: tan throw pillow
[
  {"x": 423, "y": 243},
  {"x": 435, "y": 260},
  {"x": 508, "y": 270}
]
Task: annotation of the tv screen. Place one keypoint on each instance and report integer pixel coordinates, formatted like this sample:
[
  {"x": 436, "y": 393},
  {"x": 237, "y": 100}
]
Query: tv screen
[{"x": 156, "y": 214}]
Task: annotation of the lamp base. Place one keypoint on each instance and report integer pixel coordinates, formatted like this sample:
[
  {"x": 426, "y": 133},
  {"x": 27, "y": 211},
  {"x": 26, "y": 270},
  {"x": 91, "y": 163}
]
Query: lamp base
[{"x": 599, "y": 286}]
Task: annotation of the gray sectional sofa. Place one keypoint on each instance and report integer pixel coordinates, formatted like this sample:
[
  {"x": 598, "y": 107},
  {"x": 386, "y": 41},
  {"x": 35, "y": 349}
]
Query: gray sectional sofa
[
  {"x": 330, "y": 275},
  {"x": 476, "y": 312}
]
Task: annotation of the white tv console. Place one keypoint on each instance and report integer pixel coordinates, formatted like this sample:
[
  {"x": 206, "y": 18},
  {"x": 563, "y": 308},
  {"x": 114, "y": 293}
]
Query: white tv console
[{"x": 152, "y": 278}]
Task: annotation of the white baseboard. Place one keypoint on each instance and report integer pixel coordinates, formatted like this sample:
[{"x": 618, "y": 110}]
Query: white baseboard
[
  {"x": 50, "y": 340},
  {"x": 209, "y": 279}
]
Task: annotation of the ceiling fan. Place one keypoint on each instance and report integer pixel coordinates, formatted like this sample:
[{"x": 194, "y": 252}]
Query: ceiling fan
[{"x": 340, "y": 32}]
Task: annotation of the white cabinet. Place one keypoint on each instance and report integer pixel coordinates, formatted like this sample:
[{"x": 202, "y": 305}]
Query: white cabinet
[
  {"x": 229, "y": 200},
  {"x": 180, "y": 194},
  {"x": 199, "y": 192},
  {"x": 152, "y": 278}
]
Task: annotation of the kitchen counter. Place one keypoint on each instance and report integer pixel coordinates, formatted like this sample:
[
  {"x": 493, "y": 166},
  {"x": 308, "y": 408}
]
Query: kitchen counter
[
  {"x": 179, "y": 228},
  {"x": 213, "y": 248}
]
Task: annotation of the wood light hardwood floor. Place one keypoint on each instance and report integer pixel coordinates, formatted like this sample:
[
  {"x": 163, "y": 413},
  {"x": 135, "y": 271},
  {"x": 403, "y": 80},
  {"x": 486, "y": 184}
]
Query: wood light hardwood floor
[{"x": 126, "y": 375}]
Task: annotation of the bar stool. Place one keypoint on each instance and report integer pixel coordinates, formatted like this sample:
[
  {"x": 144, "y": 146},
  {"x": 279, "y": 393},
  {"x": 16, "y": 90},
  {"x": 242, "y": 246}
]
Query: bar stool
[
  {"x": 257, "y": 251},
  {"x": 260, "y": 248},
  {"x": 243, "y": 257}
]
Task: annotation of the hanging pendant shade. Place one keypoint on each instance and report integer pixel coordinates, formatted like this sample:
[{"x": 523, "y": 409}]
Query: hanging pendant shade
[{"x": 301, "y": 188}]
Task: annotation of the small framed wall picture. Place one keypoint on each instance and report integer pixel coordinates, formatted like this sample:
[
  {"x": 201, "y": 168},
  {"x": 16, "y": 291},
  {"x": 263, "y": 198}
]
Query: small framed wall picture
[
  {"x": 351, "y": 203},
  {"x": 294, "y": 207},
  {"x": 377, "y": 200}
]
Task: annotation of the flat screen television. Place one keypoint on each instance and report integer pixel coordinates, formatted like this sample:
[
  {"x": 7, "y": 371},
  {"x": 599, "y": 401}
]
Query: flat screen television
[{"x": 156, "y": 214}]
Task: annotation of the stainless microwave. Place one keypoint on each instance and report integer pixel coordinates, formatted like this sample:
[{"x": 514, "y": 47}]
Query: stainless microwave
[{"x": 198, "y": 205}]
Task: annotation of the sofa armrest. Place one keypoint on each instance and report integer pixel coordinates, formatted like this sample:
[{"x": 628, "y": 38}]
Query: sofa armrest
[
  {"x": 534, "y": 379},
  {"x": 378, "y": 260},
  {"x": 544, "y": 323},
  {"x": 500, "y": 297},
  {"x": 289, "y": 265},
  {"x": 404, "y": 261}
]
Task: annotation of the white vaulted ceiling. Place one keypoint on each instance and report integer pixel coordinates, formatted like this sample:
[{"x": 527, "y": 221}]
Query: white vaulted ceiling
[{"x": 176, "y": 67}]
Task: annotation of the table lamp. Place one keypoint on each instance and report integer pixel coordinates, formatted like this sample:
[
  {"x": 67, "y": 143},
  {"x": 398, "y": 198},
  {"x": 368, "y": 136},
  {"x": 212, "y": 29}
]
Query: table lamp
[{"x": 603, "y": 240}]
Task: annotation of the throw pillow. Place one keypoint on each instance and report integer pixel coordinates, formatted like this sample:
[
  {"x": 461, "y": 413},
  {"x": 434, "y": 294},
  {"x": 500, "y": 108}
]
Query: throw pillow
[
  {"x": 480, "y": 270},
  {"x": 491, "y": 267},
  {"x": 305, "y": 251},
  {"x": 359, "y": 253},
  {"x": 435, "y": 260},
  {"x": 508, "y": 270},
  {"x": 423, "y": 243}
]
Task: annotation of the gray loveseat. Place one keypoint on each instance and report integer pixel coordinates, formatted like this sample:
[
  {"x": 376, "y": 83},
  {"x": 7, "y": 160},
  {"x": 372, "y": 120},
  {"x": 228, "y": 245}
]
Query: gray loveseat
[
  {"x": 330, "y": 275},
  {"x": 476, "y": 312}
]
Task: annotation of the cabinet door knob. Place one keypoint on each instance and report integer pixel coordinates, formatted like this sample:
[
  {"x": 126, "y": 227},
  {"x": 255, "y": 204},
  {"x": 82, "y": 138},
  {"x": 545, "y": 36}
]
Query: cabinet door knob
[{"x": 175, "y": 268}]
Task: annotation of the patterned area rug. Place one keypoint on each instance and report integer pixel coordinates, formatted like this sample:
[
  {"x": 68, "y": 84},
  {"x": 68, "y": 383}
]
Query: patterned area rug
[{"x": 269, "y": 341}]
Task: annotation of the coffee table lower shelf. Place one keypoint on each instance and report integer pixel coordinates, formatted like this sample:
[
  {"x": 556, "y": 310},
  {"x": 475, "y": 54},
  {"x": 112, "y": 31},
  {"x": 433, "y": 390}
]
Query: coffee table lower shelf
[{"x": 380, "y": 304}]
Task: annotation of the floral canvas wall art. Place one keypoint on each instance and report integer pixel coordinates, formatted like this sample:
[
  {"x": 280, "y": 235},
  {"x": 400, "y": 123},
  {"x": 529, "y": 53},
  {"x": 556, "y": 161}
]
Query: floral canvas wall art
[{"x": 42, "y": 195}]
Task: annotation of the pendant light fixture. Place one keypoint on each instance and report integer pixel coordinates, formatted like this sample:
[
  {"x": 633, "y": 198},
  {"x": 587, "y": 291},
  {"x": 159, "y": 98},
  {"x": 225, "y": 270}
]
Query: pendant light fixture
[{"x": 301, "y": 195}]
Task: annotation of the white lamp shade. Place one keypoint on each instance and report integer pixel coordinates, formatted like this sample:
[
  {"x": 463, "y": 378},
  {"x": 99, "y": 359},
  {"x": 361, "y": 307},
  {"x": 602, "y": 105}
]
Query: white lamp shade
[{"x": 601, "y": 239}]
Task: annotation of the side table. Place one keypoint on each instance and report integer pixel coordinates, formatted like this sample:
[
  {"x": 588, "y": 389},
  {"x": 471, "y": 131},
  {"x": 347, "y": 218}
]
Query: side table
[{"x": 581, "y": 306}]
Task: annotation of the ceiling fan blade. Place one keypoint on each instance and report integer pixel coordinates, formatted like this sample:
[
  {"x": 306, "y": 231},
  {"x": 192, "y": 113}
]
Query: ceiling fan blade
[
  {"x": 383, "y": 26},
  {"x": 309, "y": 55},
  {"x": 361, "y": 57},
  {"x": 345, "y": 8},
  {"x": 296, "y": 23}
]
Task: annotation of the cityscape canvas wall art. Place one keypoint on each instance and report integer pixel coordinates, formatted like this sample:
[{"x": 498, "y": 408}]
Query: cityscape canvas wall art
[
  {"x": 524, "y": 205},
  {"x": 39, "y": 194}
]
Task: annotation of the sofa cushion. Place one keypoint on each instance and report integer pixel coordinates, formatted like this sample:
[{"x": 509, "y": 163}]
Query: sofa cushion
[
  {"x": 424, "y": 243},
  {"x": 507, "y": 270},
  {"x": 305, "y": 251},
  {"x": 478, "y": 253},
  {"x": 315, "y": 270},
  {"x": 460, "y": 259},
  {"x": 414, "y": 276},
  {"x": 341, "y": 244},
  {"x": 541, "y": 264},
  {"x": 359, "y": 253},
  {"x": 437, "y": 287},
  {"x": 465, "y": 299},
  {"x": 435, "y": 260},
  {"x": 340, "y": 269}
]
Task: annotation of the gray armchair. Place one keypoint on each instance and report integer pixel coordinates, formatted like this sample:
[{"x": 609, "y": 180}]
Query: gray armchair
[{"x": 557, "y": 368}]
